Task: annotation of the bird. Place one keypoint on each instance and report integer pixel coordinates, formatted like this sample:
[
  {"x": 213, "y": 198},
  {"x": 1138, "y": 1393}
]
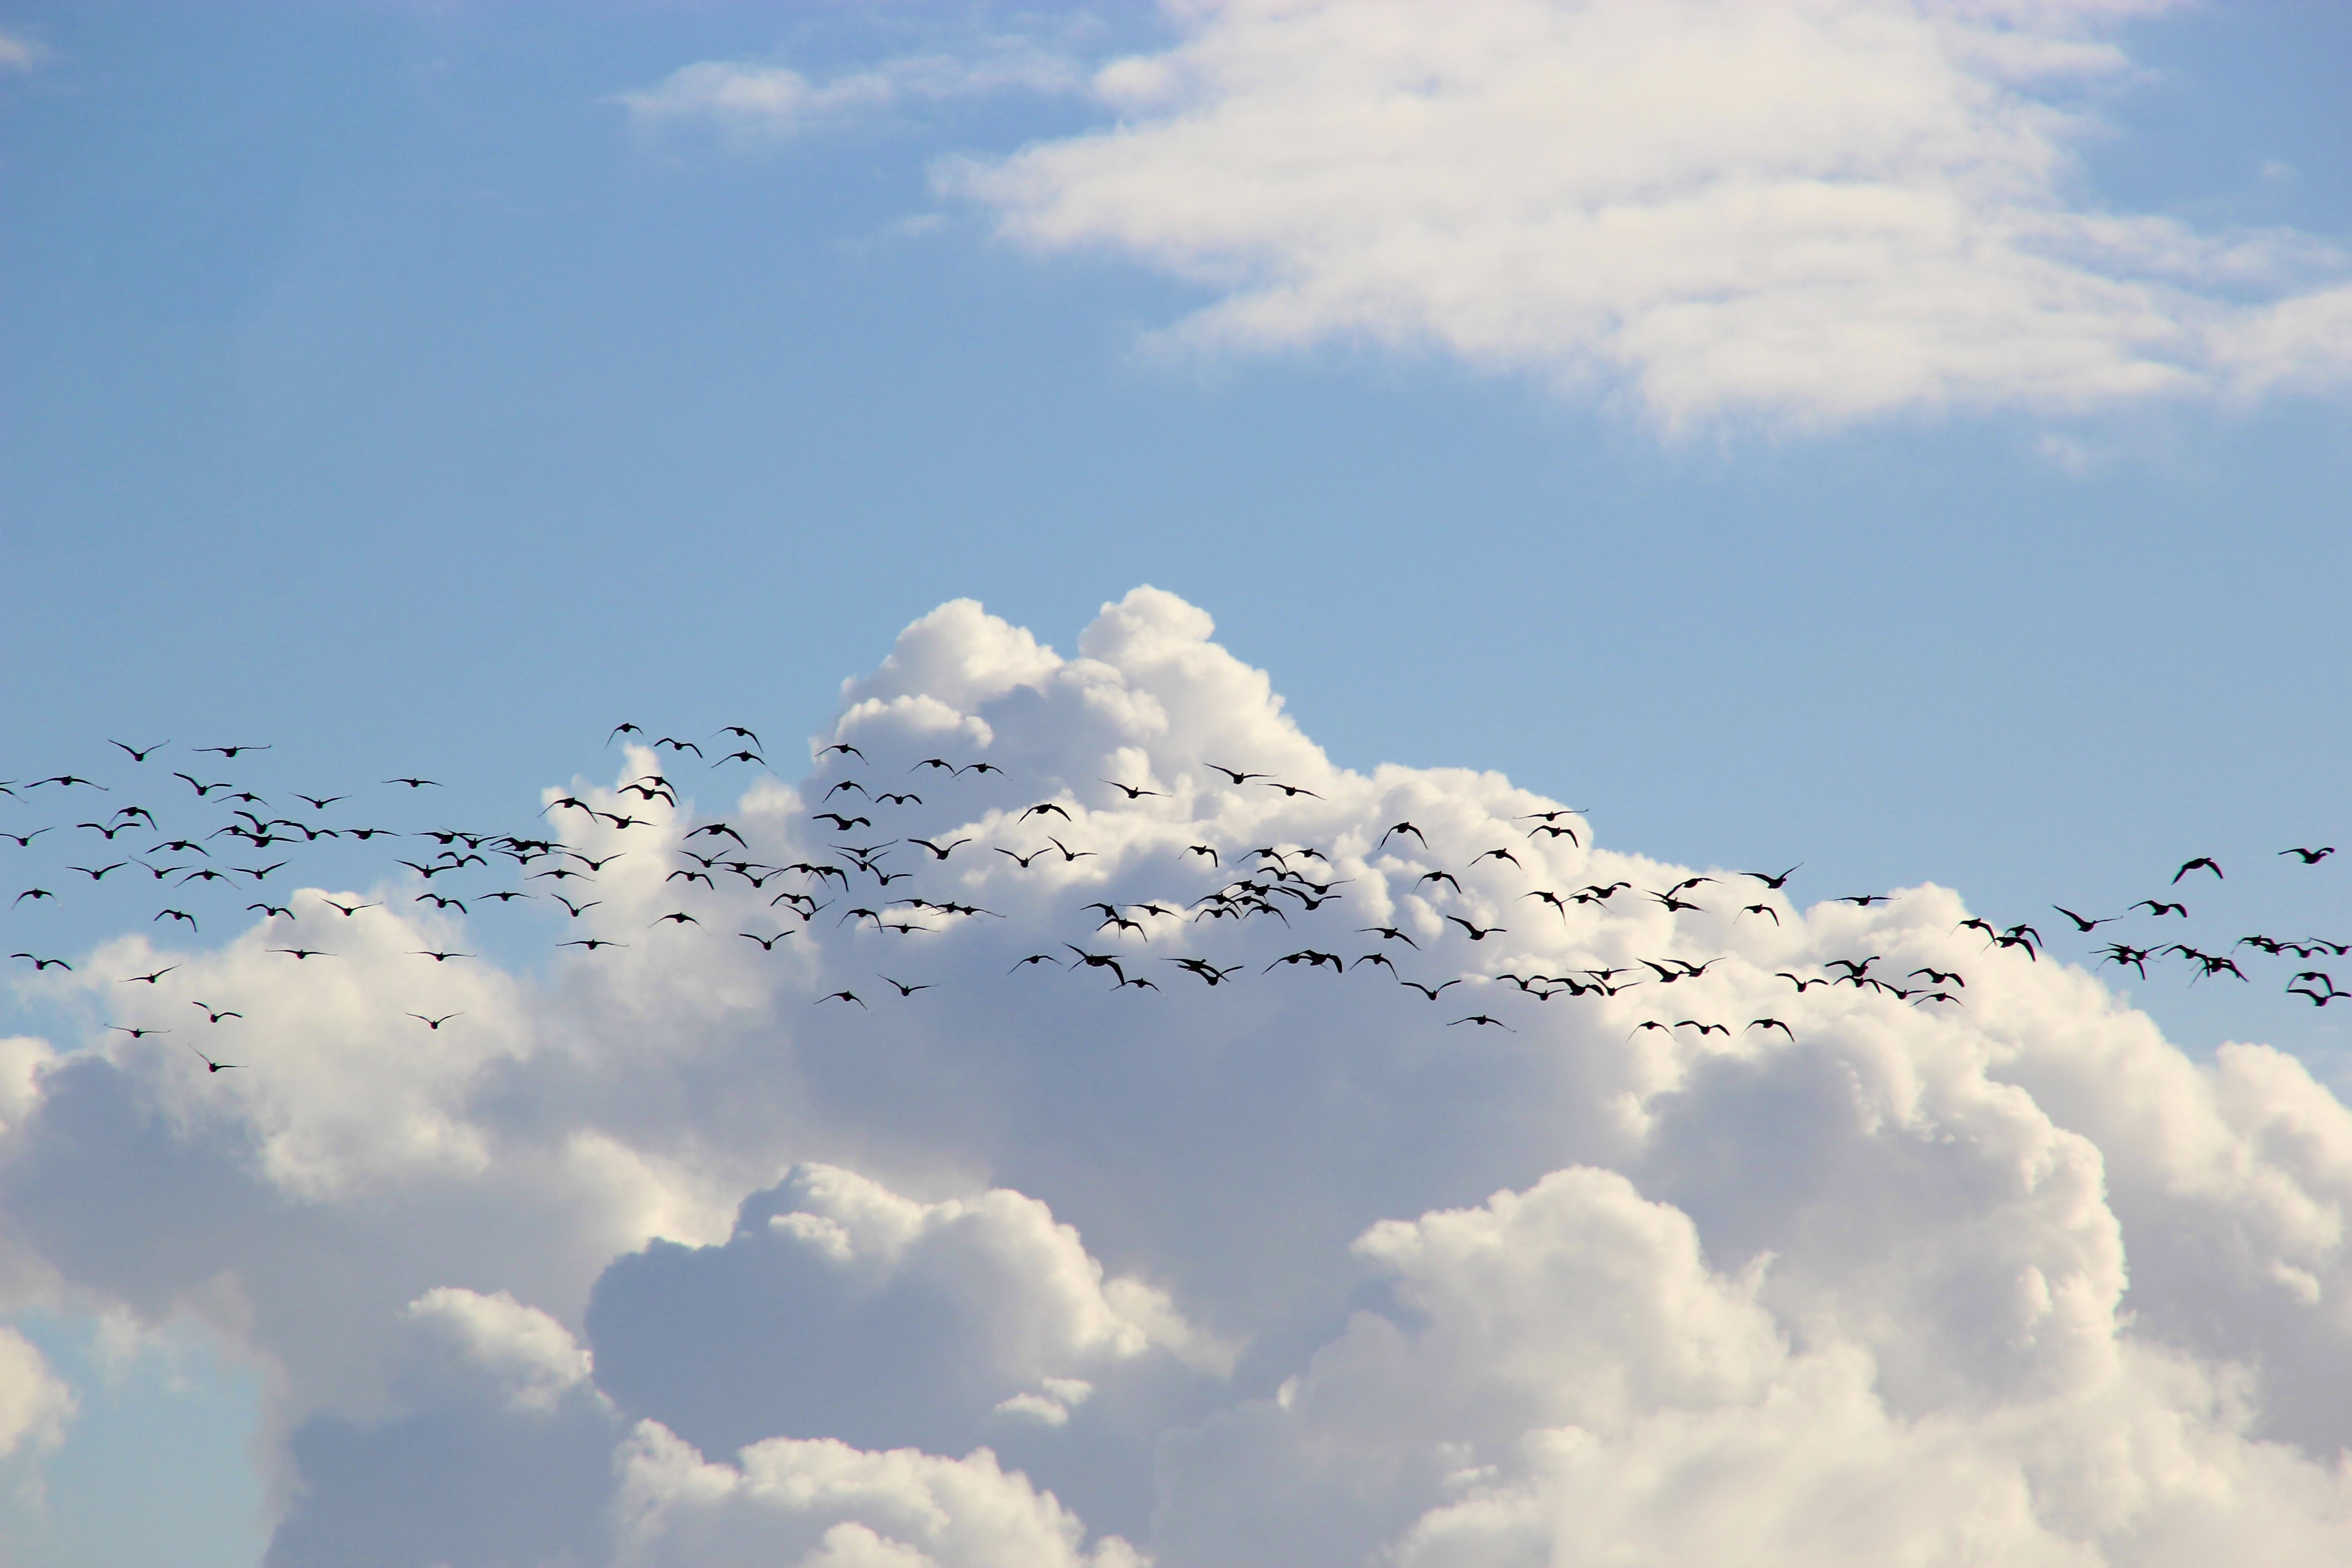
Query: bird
[
  {"x": 2085, "y": 922},
  {"x": 1020, "y": 860},
  {"x": 676, "y": 917},
  {"x": 1863, "y": 900},
  {"x": 842, "y": 784},
  {"x": 936, "y": 849},
  {"x": 574, "y": 911},
  {"x": 1429, "y": 991},
  {"x": 1043, "y": 958},
  {"x": 845, "y": 748},
  {"x": 1497, "y": 855},
  {"x": 41, "y": 964},
  {"x": 1132, "y": 792},
  {"x": 1775, "y": 881},
  {"x": 2156, "y": 906},
  {"x": 434, "y": 1024},
  {"x": 841, "y": 997},
  {"x": 982, "y": 768},
  {"x": 273, "y": 910},
  {"x": 1770, "y": 1024},
  {"x": 1445, "y": 877},
  {"x": 1235, "y": 775},
  {"x": 1396, "y": 828},
  {"x": 939, "y": 763},
  {"x": 592, "y": 943},
  {"x": 1200, "y": 966},
  {"x": 1068, "y": 854},
  {"x": 438, "y": 956},
  {"x": 2308, "y": 856},
  {"x": 904, "y": 989},
  {"x": 1042, "y": 807},
  {"x": 136, "y": 1034},
  {"x": 232, "y": 752},
  {"x": 1100, "y": 960},
  {"x": 24, "y": 840},
  {"x": 210, "y": 1066},
  {"x": 841, "y": 824},
  {"x": 149, "y": 979},
  {"x": 346, "y": 911},
  {"x": 139, "y": 756},
  {"x": 1291, "y": 792},
  {"x": 1478, "y": 932},
  {"x": 1704, "y": 1029},
  {"x": 418, "y": 784},
  {"x": 1801, "y": 985},
  {"x": 767, "y": 943},
  {"x": 1389, "y": 934},
  {"x": 1190, "y": 849},
  {"x": 1942, "y": 977},
  {"x": 2202, "y": 863},
  {"x": 1761, "y": 909},
  {"x": 1483, "y": 1018}
]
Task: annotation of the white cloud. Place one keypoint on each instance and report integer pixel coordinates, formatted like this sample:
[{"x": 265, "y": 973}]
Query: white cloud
[
  {"x": 652, "y": 1255},
  {"x": 35, "y": 1403},
  {"x": 752, "y": 101},
  {"x": 821, "y": 1504},
  {"x": 1807, "y": 212},
  {"x": 19, "y": 55}
]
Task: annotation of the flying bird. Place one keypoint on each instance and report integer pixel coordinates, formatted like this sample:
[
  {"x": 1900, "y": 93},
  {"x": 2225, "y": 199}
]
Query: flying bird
[
  {"x": 434, "y": 1024},
  {"x": 2202, "y": 863},
  {"x": 2308, "y": 856}
]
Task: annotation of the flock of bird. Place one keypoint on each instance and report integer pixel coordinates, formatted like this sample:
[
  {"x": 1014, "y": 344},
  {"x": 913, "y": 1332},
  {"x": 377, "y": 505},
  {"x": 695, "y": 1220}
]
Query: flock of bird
[{"x": 186, "y": 842}]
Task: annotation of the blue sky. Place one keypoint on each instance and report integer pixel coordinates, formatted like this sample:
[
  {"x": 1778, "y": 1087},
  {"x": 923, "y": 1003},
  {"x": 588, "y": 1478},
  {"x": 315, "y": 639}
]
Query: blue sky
[{"x": 383, "y": 385}]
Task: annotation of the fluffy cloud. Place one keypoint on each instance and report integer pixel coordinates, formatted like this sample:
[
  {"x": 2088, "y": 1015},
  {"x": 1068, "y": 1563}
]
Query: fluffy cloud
[
  {"x": 751, "y": 102},
  {"x": 1807, "y": 212},
  {"x": 655, "y": 1254}
]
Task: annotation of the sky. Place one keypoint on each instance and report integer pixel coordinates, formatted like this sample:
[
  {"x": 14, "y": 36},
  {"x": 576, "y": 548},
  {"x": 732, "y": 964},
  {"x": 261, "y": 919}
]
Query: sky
[{"x": 1903, "y": 439}]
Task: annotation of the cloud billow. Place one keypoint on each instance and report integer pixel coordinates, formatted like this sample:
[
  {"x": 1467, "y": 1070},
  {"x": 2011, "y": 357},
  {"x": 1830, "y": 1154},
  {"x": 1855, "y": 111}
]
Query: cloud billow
[{"x": 1028, "y": 1266}]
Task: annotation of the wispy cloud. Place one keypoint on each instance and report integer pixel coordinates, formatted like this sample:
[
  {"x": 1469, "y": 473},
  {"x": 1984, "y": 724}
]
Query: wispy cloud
[
  {"x": 19, "y": 54},
  {"x": 1809, "y": 213},
  {"x": 753, "y": 100}
]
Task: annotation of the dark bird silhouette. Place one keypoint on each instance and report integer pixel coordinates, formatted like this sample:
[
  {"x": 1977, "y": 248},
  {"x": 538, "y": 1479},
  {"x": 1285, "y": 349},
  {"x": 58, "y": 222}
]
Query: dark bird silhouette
[
  {"x": 1020, "y": 860},
  {"x": 2084, "y": 922},
  {"x": 1863, "y": 900},
  {"x": 1476, "y": 932},
  {"x": 1313, "y": 960},
  {"x": 939, "y": 763},
  {"x": 1704, "y": 1029},
  {"x": 1100, "y": 960},
  {"x": 2157, "y": 907},
  {"x": 178, "y": 915},
  {"x": 1761, "y": 909},
  {"x": 1429, "y": 991},
  {"x": 1043, "y": 958},
  {"x": 846, "y": 749},
  {"x": 437, "y": 956},
  {"x": 202, "y": 789},
  {"x": 231, "y": 753},
  {"x": 937, "y": 850},
  {"x": 347, "y": 910},
  {"x": 572, "y": 910},
  {"x": 1132, "y": 792},
  {"x": 1068, "y": 854},
  {"x": 620, "y": 730},
  {"x": 1770, "y": 1024},
  {"x": 1389, "y": 934},
  {"x": 99, "y": 875},
  {"x": 24, "y": 840},
  {"x": 1235, "y": 775},
  {"x": 212, "y": 1067},
  {"x": 1673, "y": 905},
  {"x": 299, "y": 954},
  {"x": 213, "y": 1015},
  {"x": 1445, "y": 877},
  {"x": 2202, "y": 863},
  {"x": 1483, "y": 1018},
  {"x": 41, "y": 964},
  {"x": 898, "y": 797},
  {"x": 1775, "y": 881},
  {"x": 841, "y": 996},
  {"x": 841, "y": 824},
  {"x": 149, "y": 979},
  {"x": 434, "y": 1024},
  {"x": 1942, "y": 977},
  {"x": 904, "y": 989},
  {"x": 1802, "y": 986},
  {"x": 2308, "y": 856},
  {"x": 1396, "y": 828},
  {"x": 740, "y": 733},
  {"x": 417, "y": 783},
  {"x": 319, "y": 803},
  {"x": 842, "y": 784},
  {"x": 137, "y": 755},
  {"x": 1382, "y": 959},
  {"x": 36, "y": 894},
  {"x": 1199, "y": 850},
  {"x": 1291, "y": 792},
  {"x": 1042, "y": 807},
  {"x": 767, "y": 943},
  {"x": 592, "y": 943},
  {"x": 982, "y": 768},
  {"x": 274, "y": 910},
  {"x": 1498, "y": 855},
  {"x": 136, "y": 1034},
  {"x": 676, "y": 916}
]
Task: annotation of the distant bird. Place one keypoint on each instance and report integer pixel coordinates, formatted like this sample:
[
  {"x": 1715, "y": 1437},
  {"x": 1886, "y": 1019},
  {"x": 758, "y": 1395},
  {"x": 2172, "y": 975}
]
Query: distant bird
[
  {"x": 1389, "y": 934},
  {"x": 149, "y": 979},
  {"x": 1396, "y": 828},
  {"x": 1291, "y": 792},
  {"x": 438, "y": 956},
  {"x": 1430, "y": 991},
  {"x": 136, "y": 1034},
  {"x": 1497, "y": 855},
  {"x": 1190, "y": 849},
  {"x": 2202, "y": 863},
  {"x": 1761, "y": 909},
  {"x": 2309, "y": 857},
  {"x": 2157, "y": 907},
  {"x": 592, "y": 943},
  {"x": 139, "y": 756},
  {"x": 846, "y": 750},
  {"x": 347, "y": 910},
  {"x": 1863, "y": 900},
  {"x": 177, "y": 915},
  {"x": 2085, "y": 922},
  {"x": 1132, "y": 792},
  {"x": 1775, "y": 881},
  {"x": 1770, "y": 1024},
  {"x": 1041, "y": 808},
  {"x": 434, "y": 1024},
  {"x": 1483, "y": 1018},
  {"x": 767, "y": 943},
  {"x": 1020, "y": 860},
  {"x": 841, "y": 997},
  {"x": 937, "y": 850},
  {"x": 232, "y": 752},
  {"x": 904, "y": 989},
  {"x": 1068, "y": 854},
  {"x": 41, "y": 964},
  {"x": 417, "y": 783},
  {"x": 1802, "y": 986},
  {"x": 212, "y": 1067}
]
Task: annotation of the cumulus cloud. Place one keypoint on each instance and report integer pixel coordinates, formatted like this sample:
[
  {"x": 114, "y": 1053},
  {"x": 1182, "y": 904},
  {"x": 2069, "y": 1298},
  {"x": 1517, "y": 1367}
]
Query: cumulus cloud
[
  {"x": 655, "y": 1256},
  {"x": 1808, "y": 212}
]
